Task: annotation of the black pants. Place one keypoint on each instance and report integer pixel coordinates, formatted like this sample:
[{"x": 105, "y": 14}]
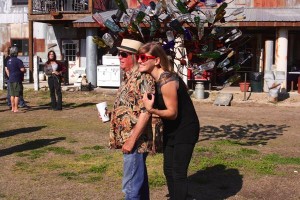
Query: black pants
[
  {"x": 55, "y": 92},
  {"x": 176, "y": 161}
]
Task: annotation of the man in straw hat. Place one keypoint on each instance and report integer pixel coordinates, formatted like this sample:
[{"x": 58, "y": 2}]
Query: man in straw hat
[{"x": 130, "y": 128}]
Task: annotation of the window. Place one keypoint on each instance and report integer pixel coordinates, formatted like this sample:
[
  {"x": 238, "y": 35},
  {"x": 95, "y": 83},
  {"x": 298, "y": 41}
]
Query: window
[
  {"x": 70, "y": 51},
  {"x": 22, "y": 45},
  {"x": 19, "y": 2}
]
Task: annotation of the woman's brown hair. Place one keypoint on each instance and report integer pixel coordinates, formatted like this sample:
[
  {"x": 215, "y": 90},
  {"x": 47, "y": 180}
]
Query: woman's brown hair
[{"x": 155, "y": 49}]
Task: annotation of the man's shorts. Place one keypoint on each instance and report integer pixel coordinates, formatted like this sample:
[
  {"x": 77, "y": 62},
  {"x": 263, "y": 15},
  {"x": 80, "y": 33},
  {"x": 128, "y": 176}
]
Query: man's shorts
[{"x": 15, "y": 89}]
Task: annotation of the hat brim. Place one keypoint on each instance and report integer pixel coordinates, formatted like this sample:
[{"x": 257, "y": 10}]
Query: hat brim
[{"x": 127, "y": 49}]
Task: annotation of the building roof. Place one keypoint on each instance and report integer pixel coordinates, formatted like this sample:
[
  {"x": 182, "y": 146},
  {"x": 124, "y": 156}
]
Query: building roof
[{"x": 254, "y": 17}]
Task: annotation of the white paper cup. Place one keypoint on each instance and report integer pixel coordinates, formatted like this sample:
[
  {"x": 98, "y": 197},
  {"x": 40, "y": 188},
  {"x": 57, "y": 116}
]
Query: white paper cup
[{"x": 102, "y": 109}]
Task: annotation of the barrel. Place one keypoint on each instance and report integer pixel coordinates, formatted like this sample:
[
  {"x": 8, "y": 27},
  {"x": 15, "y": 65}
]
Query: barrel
[{"x": 199, "y": 90}]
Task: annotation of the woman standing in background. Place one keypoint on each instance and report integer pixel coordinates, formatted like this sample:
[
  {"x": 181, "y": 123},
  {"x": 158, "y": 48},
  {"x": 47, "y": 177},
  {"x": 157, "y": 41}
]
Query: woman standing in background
[{"x": 53, "y": 70}]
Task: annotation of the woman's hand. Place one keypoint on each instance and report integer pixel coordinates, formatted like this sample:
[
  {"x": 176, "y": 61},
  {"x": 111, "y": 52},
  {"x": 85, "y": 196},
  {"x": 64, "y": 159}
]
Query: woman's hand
[
  {"x": 56, "y": 73},
  {"x": 148, "y": 100}
]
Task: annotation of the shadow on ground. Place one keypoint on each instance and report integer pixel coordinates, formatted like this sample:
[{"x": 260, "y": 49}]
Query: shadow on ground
[
  {"x": 20, "y": 131},
  {"x": 35, "y": 144},
  {"x": 250, "y": 134},
  {"x": 215, "y": 183}
]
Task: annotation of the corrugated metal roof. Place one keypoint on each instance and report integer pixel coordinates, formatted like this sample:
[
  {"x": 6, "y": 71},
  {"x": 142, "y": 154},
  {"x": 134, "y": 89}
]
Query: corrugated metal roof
[
  {"x": 271, "y": 14},
  {"x": 252, "y": 15}
]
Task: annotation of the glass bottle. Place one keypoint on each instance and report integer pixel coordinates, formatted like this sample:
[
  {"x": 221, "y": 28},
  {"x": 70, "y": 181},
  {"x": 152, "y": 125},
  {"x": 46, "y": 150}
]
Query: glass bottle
[
  {"x": 139, "y": 17},
  {"x": 237, "y": 11},
  {"x": 175, "y": 24},
  {"x": 99, "y": 19},
  {"x": 210, "y": 3},
  {"x": 121, "y": 6},
  {"x": 209, "y": 54},
  {"x": 221, "y": 7},
  {"x": 108, "y": 40},
  {"x": 99, "y": 41},
  {"x": 170, "y": 36},
  {"x": 112, "y": 26},
  {"x": 233, "y": 31},
  {"x": 232, "y": 79},
  {"x": 181, "y": 7},
  {"x": 234, "y": 37},
  {"x": 207, "y": 66},
  {"x": 234, "y": 67}
]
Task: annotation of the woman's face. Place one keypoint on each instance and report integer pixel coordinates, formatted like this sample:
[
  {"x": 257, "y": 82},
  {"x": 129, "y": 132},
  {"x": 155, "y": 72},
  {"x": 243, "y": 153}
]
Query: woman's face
[
  {"x": 146, "y": 62},
  {"x": 51, "y": 56}
]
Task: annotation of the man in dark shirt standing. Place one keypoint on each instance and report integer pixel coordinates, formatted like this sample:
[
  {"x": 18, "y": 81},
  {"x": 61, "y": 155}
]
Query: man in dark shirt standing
[
  {"x": 14, "y": 70},
  {"x": 22, "y": 103}
]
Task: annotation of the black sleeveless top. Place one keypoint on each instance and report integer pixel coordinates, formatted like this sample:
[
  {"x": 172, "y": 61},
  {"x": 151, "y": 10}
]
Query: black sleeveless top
[{"x": 185, "y": 128}]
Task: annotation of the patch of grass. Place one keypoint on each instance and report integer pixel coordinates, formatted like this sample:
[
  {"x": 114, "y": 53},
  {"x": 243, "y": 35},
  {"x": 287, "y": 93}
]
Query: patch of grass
[
  {"x": 37, "y": 153},
  {"x": 72, "y": 141},
  {"x": 60, "y": 150},
  {"x": 232, "y": 156},
  {"x": 96, "y": 147},
  {"x": 69, "y": 175},
  {"x": 156, "y": 179},
  {"x": 85, "y": 157},
  {"x": 22, "y": 154},
  {"x": 93, "y": 179},
  {"x": 276, "y": 159},
  {"x": 247, "y": 152},
  {"x": 22, "y": 165},
  {"x": 2, "y": 195},
  {"x": 54, "y": 166},
  {"x": 99, "y": 169},
  {"x": 227, "y": 143}
]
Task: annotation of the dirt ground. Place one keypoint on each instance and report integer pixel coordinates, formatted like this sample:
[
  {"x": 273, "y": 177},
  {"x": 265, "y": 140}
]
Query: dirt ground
[{"x": 269, "y": 127}]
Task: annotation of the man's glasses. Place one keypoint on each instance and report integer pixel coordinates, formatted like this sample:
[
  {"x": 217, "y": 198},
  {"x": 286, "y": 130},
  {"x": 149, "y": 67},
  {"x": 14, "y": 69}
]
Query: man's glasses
[
  {"x": 123, "y": 54},
  {"x": 145, "y": 58}
]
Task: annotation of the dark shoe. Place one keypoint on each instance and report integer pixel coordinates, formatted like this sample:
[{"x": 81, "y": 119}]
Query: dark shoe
[
  {"x": 23, "y": 106},
  {"x": 56, "y": 109}
]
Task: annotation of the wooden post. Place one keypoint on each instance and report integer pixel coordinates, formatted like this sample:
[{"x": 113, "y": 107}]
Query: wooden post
[{"x": 30, "y": 23}]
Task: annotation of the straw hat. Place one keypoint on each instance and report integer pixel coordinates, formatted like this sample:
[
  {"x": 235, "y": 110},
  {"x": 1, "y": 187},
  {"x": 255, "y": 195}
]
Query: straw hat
[{"x": 131, "y": 46}]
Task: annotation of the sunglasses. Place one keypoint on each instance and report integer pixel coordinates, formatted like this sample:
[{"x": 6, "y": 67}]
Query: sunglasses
[
  {"x": 123, "y": 54},
  {"x": 145, "y": 58}
]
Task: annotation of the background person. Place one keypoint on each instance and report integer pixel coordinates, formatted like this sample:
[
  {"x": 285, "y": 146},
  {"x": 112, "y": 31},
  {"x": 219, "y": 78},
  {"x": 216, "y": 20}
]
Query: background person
[
  {"x": 180, "y": 121},
  {"x": 53, "y": 70},
  {"x": 130, "y": 128},
  {"x": 15, "y": 72},
  {"x": 21, "y": 99}
]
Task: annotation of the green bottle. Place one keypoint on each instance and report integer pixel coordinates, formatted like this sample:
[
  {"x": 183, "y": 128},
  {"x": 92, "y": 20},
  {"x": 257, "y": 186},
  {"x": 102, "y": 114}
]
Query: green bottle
[
  {"x": 232, "y": 79},
  {"x": 234, "y": 67},
  {"x": 139, "y": 17},
  {"x": 209, "y": 54},
  {"x": 221, "y": 8},
  {"x": 121, "y": 6},
  {"x": 181, "y": 6},
  {"x": 175, "y": 24},
  {"x": 197, "y": 21}
]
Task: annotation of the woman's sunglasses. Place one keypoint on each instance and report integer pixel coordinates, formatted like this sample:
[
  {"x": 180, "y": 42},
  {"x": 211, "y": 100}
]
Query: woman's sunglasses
[{"x": 144, "y": 57}]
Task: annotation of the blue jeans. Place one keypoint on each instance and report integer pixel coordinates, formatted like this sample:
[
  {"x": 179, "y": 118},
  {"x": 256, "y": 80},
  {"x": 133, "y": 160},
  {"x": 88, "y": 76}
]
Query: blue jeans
[
  {"x": 135, "y": 177},
  {"x": 21, "y": 99}
]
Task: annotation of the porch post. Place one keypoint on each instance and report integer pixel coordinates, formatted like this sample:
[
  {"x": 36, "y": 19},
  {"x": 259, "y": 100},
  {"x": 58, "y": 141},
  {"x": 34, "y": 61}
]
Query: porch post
[
  {"x": 91, "y": 56},
  {"x": 281, "y": 53}
]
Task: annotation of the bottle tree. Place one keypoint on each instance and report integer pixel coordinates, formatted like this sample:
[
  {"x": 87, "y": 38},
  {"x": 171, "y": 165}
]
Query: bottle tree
[{"x": 200, "y": 25}]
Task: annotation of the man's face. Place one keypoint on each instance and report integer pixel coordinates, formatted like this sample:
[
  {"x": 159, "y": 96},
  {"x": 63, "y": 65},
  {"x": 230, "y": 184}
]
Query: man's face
[{"x": 126, "y": 60}]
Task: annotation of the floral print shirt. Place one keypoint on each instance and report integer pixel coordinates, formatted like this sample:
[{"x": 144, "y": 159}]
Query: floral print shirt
[{"x": 127, "y": 108}]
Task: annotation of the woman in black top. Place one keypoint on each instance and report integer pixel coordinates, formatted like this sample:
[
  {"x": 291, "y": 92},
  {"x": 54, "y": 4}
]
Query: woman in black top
[
  {"x": 175, "y": 107},
  {"x": 53, "y": 70}
]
